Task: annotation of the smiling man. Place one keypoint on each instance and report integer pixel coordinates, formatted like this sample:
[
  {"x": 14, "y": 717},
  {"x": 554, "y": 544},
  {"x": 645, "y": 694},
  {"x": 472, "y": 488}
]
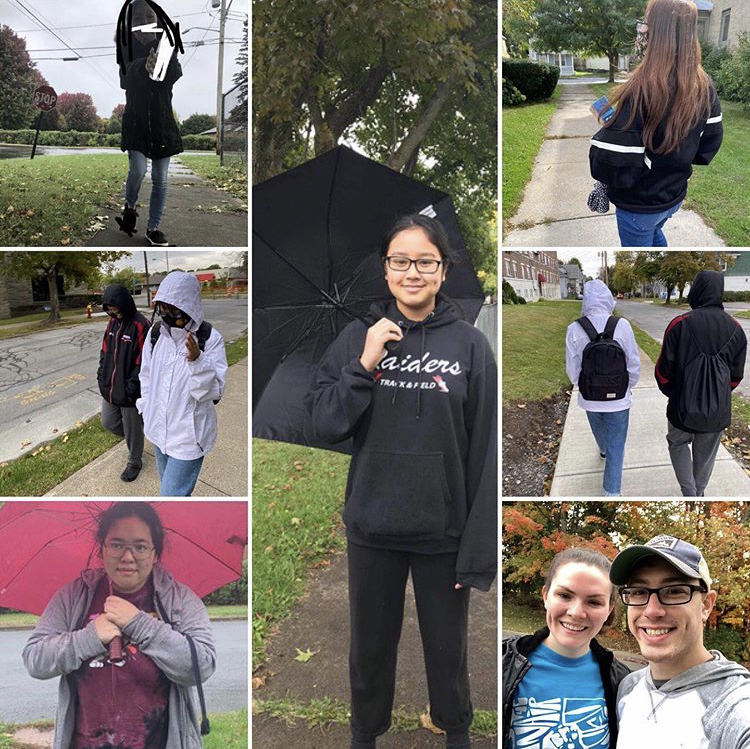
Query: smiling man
[{"x": 688, "y": 696}]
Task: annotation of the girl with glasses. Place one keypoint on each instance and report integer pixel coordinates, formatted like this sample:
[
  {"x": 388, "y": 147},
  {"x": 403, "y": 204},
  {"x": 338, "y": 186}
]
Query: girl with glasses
[
  {"x": 561, "y": 670},
  {"x": 667, "y": 118},
  {"x": 416, "y": 390}
]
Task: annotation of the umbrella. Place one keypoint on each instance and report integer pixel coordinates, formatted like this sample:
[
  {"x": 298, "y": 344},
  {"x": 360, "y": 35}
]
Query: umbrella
[
  {"x": 317, "y": 232},
  {"x": 45, "y": 545}
]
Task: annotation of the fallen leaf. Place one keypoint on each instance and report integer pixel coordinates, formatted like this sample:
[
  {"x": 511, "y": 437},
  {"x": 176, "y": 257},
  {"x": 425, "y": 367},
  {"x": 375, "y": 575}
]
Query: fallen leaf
[
  {"x": 25, "y": 443},
  {"x": 65, "y": 241},
  {"x": 426, "y": 721},
  {"x": 303, "y": 656},
  {"x": 258, "y": 682},
  {"x": 65, "y": 438},
  {"x": 299, "y": 465},
  {"x": 268, "y": 549},
  {"x": 65, "y": 228},
  {"x": 296, "y": 521},
  {"x": 522, "y": 405}
]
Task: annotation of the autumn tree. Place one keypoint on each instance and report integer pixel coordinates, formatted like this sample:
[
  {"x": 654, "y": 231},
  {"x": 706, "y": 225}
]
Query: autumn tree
[
  {"x": 74, "y": 267},
  {"x": 677, "y": 269},
  {"x": 79, "y": 111},
  {"x": 118, "y": 111}
]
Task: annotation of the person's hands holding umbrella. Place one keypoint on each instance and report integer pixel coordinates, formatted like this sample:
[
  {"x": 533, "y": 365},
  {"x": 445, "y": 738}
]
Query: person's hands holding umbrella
[
  {"x": 378, "y": 335},
  {"x": 119, "y": 611},
  {"x": 106, "y": 630}
]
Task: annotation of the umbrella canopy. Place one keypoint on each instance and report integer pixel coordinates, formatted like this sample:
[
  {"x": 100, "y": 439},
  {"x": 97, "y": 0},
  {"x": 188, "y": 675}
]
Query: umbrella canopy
[
  {"x": 317, "y": 233},
  {"x": 45, "y": 545}
]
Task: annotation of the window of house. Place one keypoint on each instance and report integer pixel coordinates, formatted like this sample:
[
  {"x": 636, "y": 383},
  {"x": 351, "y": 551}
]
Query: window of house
[
  {"x": 515, "y": 269},
  {"x": 724, "y": 32},
  {"x": 507, "y": 267},
  {"x": 702, "y": 22}
]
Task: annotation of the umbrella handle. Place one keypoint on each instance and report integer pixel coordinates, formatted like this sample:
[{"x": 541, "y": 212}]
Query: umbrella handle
[
  {"x": 115, "y": 651},
  {"x": 392, "y": 346}
]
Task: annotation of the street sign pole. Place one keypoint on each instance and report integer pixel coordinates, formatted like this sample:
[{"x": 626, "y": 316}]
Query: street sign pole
[
  {"x": 44, "y": 99},
  {"x": 38, "y": 126}
]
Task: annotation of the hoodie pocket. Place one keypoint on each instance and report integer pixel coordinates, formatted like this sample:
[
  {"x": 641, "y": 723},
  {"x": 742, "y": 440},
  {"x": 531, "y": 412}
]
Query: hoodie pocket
[{"x": 398, "y": 494}]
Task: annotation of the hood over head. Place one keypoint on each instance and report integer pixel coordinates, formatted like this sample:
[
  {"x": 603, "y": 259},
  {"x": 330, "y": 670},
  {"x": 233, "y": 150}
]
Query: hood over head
[
  {"x": 118, "y": 296},
  {"x": 183, "y": 291},
  {"x": 706, "y": 290},
  {"x": 597, "y": 298}
]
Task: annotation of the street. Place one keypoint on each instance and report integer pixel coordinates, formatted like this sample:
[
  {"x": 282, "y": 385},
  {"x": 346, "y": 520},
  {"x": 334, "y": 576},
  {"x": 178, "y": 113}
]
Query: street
[
  {"x": 654, "y": 318},
  {"x": 48, "y": 379},
  {"x": 23, "y": 699}
]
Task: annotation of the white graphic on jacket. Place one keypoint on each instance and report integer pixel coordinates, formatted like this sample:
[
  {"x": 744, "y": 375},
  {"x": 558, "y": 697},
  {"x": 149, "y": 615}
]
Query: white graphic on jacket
[
  {"x": 424, "y": 364},
  {"x": 560, "y": 723},
  {"x": 441, "y": 384}
]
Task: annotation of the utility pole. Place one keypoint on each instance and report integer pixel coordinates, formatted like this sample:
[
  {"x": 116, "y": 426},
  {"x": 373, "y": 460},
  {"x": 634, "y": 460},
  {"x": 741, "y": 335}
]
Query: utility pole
[
  {"x": 148, "y": 288},
  {"x": 220, "y": 79},
  {"x": 166, "y": 252}
]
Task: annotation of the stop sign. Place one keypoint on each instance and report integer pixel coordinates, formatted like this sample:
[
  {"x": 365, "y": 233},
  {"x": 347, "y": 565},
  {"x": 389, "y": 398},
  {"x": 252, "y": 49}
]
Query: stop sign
[{"x": 45, "y": 98}]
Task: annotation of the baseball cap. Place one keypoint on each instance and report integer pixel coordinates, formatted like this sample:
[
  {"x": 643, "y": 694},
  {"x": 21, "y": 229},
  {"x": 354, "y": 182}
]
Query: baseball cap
[{"x": 683, "y": 556}]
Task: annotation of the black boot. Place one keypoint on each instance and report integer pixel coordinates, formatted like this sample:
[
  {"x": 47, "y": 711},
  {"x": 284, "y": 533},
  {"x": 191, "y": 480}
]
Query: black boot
[
  {"x": 127, "y": 222},
  {"x": 130, "y": 473}
]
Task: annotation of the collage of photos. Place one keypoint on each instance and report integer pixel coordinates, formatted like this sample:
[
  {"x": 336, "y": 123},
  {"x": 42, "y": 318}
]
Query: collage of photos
[{"x": 493, "y": 437}]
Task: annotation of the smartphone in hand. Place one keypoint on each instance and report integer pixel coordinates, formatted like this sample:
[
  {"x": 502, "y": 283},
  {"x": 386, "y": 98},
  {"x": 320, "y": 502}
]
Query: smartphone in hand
[{"x": 602, "y": 109}]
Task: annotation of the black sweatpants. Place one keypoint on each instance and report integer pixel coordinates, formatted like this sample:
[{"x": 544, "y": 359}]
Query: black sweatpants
[{"x": 377, "y": 585}]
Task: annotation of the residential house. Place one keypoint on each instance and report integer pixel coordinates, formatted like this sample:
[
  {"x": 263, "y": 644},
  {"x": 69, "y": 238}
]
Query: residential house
[
  {"x": 533, "y": 274},
  {"x": 721, "y": 22},
  {"x": 575, "y": 280},
  {"x": 737, "y": 278},
  {"x": 22, "y": 296}
]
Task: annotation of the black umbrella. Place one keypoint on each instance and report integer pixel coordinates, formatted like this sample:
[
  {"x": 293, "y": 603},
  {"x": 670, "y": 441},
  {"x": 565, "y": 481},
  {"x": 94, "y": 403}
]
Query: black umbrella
[{"x": 317, "y": 232}]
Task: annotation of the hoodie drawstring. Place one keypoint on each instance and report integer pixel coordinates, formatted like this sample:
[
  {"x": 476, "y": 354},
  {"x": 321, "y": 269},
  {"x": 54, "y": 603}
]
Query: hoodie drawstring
[
  {"x": 419, "y": 384},
  {"x": 421, "y": 356}
]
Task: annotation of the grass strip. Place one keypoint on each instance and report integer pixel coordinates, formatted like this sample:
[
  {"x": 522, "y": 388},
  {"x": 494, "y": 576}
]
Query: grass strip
[
  {"x": 52, "y": 200},
  {"x": 524, "y": 127},
  {"x": 534, "y": 347},
  {"x": 230, "y": 178},
  {"x": 297, "y": 494},
  {"x": 42, "y": 326},
  {"x": 745, "y": 313},
  {"x": 318, "y": 713},
  {"x": 236, "y": 350},
  {"x": 35, "y": 316},
  {"x": 647, "y": 342}
]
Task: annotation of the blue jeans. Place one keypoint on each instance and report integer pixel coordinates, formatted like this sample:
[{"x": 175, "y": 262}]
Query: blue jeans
[
  {"x": 177, "y": 477},
  {"x": 643, "y": 229},
  {"x": 136, "y": 174},
  {"x": 610, "y": 431}
]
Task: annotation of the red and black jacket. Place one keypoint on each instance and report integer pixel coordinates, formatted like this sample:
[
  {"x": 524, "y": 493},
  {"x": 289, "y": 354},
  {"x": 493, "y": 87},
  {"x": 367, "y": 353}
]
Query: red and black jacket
[
  {"x": 122, "y": 348},
  {"x": 710, "y": 331}
]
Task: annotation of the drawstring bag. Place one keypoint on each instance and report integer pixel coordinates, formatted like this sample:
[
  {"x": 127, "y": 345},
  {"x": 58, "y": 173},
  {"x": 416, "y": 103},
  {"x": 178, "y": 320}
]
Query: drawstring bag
[{"x": 598, "y": 200}]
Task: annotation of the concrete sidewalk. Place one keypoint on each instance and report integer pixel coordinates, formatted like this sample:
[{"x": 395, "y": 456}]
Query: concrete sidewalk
[
  {"x": 224, "y": 471},
  {"x": 320, "y": 623},
  {"x": 554, "y": 212},
  {"x": 197, "y": 214},
  {"x": 647, "y": 471}
]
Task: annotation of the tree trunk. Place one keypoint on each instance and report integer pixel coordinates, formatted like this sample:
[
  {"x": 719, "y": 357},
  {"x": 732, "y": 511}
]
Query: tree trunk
[
  {"x": 612, "y": 65},
  {"x": 54, "y": 300}
]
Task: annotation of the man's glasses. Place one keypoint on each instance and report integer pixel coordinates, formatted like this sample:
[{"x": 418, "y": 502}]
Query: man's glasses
[
  {"x": 115, "y": 549},
  {"x": 670, "y": 595},
  {"x": 423, "y": 264}
]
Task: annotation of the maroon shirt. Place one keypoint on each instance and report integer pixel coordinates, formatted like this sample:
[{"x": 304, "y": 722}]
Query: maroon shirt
[{"x": 121, "y": 707}]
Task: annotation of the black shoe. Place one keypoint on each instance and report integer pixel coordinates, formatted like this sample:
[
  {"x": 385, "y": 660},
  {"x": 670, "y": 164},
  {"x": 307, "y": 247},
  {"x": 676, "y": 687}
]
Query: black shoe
[
  {"x": 127, "y": 222},
  {"x": 130, "y": 473},
  {"x": 602, "y": 456},
  {"x": 156, "y": 238}
]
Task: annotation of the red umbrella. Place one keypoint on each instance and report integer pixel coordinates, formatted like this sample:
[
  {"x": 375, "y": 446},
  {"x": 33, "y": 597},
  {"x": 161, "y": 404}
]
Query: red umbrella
[{"x": 45, "y": 545}]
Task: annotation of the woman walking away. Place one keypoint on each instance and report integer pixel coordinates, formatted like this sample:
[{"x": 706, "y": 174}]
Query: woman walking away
[
  {"x": 118, "y": 636},
  {"x": 601, "y": 357},
  {"x": 561, "y": 669},
  {"x": 149, "y": 130},
  {"x": 668, "y": 117},
  {"x": 422, "y": 490}
]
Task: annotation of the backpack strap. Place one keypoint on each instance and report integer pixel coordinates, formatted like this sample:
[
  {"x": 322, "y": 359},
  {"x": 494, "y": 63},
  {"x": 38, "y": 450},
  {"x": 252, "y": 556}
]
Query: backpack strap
[
  {"x": 609, "y": 328},
  {"x": 155, "y": 331},
  {"x": 586, "y": 324},
  {"x": 203, "y": 334}
]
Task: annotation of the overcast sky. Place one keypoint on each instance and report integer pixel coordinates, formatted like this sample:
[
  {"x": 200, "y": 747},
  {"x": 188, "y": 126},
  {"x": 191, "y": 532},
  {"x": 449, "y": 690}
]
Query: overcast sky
[
  {"x": 92, "y": 23},
  {"x": 591, "y": 259},
  {"x": 157, "y": 260}
]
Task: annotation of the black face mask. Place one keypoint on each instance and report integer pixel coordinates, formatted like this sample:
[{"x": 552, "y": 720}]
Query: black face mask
[{"x": 171, "y": 320}]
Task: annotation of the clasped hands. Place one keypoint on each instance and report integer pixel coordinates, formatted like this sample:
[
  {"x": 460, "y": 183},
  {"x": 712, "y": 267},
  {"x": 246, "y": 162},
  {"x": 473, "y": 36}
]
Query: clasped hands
[{"x": 117, "y": 614}]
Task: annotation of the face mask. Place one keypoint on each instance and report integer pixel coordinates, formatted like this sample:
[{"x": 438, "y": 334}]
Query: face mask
[
  {"x": 171, "y": 320},
  {"x": 115, "y": 315}
]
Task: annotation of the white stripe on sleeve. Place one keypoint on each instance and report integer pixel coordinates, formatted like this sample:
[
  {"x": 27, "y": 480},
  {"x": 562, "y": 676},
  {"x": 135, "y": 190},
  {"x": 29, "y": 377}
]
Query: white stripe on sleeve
[
  {"x": 713, "y": 120},
  {"x": 619, "y": 149}
]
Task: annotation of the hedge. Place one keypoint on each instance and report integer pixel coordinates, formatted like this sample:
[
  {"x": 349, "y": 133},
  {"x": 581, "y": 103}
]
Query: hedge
[
  {"x": 736, "y": 296},
  {"x": 511, "y": 95},
  {"x": 78, "y": 138},
  {"x": 533, "y": 79}
]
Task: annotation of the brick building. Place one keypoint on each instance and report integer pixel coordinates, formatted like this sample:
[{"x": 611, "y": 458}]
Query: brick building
[
  {"x": 533, "y": 274},
  {"x": 720, "y": 22}
]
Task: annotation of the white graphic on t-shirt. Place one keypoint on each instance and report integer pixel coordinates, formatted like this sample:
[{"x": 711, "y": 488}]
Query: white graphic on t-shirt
[
  {"x": 560, "y": 723},
  {"x": 441, "y": 384}
]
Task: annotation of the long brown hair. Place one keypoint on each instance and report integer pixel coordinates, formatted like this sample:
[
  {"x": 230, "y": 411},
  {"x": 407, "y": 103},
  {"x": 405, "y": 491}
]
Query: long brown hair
[{"x": 670, "y": 85}]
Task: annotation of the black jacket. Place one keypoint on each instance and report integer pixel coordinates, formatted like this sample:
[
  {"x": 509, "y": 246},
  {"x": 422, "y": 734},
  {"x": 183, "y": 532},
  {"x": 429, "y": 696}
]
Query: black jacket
[
  {"x": 423, "y": 475},
  {"x": 120, "y": 357},
  {"x": 148, "y": 123},
  {"x": 640, "y": 180},
  {"x": 710, "y": 330},
  {"x": 516, "y": 651}
]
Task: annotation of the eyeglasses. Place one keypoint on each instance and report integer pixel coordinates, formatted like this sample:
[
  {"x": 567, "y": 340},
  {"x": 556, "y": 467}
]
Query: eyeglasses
[
  {"x": 670, "y": 595},
  {"x": 116, "y": 549},
  {"x": 423, "y": 264}
]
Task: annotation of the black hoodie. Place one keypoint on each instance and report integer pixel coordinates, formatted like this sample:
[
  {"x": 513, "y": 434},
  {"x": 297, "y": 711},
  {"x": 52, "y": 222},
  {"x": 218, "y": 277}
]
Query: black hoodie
[
  {"x": 120, "y": 357},
  {"x": 423, "y": 475},
  {"x": 710, "y": 329}
]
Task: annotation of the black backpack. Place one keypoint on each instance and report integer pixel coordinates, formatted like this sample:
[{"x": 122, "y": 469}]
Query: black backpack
[
  {"x": 604, "y": 372},
  {"x": 705, "y": 403},
  {"x": 202, "y": 335}
]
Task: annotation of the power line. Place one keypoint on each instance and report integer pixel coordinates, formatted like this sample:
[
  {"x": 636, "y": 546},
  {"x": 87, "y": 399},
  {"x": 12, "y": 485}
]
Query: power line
[
  {"x": 210, "y": 43},
  {"x": 103, "y": 25}
]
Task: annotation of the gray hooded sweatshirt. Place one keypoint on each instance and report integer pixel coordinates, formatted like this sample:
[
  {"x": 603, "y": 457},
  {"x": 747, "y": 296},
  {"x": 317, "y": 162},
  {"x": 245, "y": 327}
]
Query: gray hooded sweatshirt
[
  {"x": 705, "y": 707},
  {"x": 58, "y": 647}
]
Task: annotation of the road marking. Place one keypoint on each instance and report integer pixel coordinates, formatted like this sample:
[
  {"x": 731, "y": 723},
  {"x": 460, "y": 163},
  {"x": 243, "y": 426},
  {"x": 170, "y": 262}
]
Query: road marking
[{"x": 38, "y": 393}]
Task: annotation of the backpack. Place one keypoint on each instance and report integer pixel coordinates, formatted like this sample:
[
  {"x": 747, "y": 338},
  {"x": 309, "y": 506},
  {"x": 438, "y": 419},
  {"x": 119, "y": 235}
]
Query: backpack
[
  {"x": 202, "y": 335},
  {"x": 604, "y": 372},
  {"x": 705, "y": 403}
]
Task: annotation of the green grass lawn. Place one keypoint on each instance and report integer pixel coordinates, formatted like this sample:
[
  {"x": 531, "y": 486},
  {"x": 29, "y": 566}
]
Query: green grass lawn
[
  {"x": 523, "y": 132},
  {"x": 36, "y": 316},
  {"x": 534, "y": 347},
  {"x": 52, "y": 200},
  {"x": 41, "y": 326},
  {"x": 236, "y": 350},
  {"x": 232, "y": 178},
  {"x": 720, "y": 192},
  {"x": 297, "y": 494},
  {"x": 743, "y": 313}
]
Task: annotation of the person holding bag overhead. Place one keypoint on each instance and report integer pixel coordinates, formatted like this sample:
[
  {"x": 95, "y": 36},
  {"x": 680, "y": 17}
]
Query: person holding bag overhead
[{"x": 667, "y": 118}]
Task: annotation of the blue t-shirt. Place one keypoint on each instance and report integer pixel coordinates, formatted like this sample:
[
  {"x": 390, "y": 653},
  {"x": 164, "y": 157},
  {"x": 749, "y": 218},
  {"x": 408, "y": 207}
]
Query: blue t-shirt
[{"x": 560, "y": 704}]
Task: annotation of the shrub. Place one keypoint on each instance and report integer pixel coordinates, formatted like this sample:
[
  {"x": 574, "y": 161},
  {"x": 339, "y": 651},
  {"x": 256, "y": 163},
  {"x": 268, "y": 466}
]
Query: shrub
[
  {"x": 511, "y": 95},
  {"x": 234, "y": 594},
  {"x": 521, "y": 300},
  {"x": 728, "y": 640},
  {"x": 534, "y": 80},
  {"x": 733, "y": 78},
  {"x": 60, "y": 138},
  {"x": 198, "y": 142},
  {"x": 736, "y": 296},
  {"x": 509, "y": 294},
  {"x": 713, "y": 57}
]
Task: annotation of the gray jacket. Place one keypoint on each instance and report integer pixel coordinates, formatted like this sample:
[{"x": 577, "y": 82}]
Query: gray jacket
[{"x": 58, "y": 646}]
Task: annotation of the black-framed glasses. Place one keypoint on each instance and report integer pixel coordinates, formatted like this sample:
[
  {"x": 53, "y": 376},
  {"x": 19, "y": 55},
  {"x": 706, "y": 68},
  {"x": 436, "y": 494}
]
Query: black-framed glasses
[
  {"x": 423, "y": 264},
  {"x": 669, "y": 595},
  {"x": 116, "y": 549}
]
